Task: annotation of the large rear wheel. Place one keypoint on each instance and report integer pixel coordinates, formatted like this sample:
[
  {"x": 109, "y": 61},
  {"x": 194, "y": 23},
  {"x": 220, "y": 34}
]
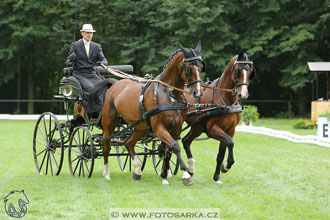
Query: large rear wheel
[{"x": 48, "y": 145}]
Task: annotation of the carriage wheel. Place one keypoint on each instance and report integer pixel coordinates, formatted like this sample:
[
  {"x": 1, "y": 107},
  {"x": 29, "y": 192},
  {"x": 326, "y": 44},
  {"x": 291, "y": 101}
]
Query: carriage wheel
[
  {"x": 125, "y": 160},
  {"x": 81, "y": 153},
  {"x": 48, "y": 145},
  {"x": 158, "y": 159}
]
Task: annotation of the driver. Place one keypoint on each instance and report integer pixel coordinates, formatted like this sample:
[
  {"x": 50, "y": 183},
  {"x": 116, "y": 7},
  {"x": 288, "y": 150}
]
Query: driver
[{"x": 83, "y": 56}]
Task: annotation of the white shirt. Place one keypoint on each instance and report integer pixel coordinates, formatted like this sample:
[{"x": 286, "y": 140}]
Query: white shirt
[{"x": 87, "y": 44}]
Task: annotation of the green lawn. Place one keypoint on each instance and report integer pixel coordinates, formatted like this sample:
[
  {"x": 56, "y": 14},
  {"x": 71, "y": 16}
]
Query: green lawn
[
  {"x": 271, "y": 179},
  {"x": 284, "y": 125}
]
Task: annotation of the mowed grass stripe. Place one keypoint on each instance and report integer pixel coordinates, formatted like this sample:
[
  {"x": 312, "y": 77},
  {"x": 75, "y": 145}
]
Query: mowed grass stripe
[{"x": 271, "y": 179}]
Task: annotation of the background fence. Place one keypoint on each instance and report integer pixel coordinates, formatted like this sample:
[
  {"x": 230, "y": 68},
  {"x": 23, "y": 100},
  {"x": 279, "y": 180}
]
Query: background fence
[{"x": 266, "y": 108}]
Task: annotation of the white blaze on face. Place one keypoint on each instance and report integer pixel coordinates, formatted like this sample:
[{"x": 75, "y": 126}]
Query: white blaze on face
[
  {"x": 244, "y": 89},
  {"x": 199, "y": 93}
]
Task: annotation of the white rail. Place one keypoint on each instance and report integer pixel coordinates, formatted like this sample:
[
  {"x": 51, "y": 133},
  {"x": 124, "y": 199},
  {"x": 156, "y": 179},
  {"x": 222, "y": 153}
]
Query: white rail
[
  {"x": 310, "y": 139},
  {"x": 29, "y": 117}
]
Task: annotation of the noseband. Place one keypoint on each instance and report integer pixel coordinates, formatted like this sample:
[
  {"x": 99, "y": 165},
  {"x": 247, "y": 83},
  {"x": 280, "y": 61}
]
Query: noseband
[
  {"x": 247, "y": 65},
  {"x": 196, "y": 61}
]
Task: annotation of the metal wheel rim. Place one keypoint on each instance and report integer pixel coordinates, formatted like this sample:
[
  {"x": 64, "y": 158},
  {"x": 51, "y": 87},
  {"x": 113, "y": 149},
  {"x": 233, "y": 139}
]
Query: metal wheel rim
[{"x": 49, "y": 140}]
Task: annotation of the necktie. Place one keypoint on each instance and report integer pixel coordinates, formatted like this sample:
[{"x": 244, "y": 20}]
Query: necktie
[{"x": 87, "y": 49}]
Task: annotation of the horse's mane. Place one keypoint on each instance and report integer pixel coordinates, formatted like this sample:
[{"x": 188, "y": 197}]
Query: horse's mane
[
  {"x": 229, "y": 65},
  {"x": 170, "y": 59}
]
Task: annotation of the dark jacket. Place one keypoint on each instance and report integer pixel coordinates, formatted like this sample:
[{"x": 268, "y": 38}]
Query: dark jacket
[{"x": 81, "y": 63}]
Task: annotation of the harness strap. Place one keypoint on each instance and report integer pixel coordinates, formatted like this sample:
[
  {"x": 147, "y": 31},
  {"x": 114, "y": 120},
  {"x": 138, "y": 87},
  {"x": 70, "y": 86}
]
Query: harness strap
[{"x": 143, "y": 111}]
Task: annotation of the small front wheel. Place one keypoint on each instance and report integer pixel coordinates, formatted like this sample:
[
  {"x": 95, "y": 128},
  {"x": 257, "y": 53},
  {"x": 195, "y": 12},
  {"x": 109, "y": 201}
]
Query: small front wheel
[
  {"x": 81, "y": 153},
  {"x": 158, "y": 159}
]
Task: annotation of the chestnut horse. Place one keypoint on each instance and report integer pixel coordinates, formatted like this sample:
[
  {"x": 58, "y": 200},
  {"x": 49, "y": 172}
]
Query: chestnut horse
[
  {"x": 220, "y": 122},
  {"x": 125, "y": 99}
]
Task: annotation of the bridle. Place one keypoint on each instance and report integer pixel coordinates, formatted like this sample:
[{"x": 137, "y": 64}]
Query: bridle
[
  {"x": 246, "y": 65},
  {"x": 196, "y": 61}
]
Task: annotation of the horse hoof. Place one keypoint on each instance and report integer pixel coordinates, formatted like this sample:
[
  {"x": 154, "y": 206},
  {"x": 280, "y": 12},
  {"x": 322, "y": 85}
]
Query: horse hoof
[
  {"x": 218, "y": 182},
  {"x": 106, "y": 176},
  {"x": 136, "y": 177},
  {"x": 188, "y": 181},
  {"x": 223, "y": 167},
  {"x": 165, "y": 182}
]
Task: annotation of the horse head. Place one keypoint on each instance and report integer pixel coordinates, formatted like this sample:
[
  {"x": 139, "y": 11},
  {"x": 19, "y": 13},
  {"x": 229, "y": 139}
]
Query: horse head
[
  {"x": 242, "y": 72},
  {"x": 192, "y": 66}
]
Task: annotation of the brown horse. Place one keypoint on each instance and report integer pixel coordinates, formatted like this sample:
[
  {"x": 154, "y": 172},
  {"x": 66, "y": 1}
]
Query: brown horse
[
  {"x": 220, "y": 122},
  {"x": 131, "y": 100}
]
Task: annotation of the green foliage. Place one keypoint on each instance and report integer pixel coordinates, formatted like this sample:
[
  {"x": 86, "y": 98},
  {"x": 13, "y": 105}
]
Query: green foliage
[
  {"x": 304, "y": 124},
  {"x": 284, "y": 115},
  {"x": 325, "y": 114},
  {"x": 250, "y": 113},
  {"x": 38, "y": 35}
]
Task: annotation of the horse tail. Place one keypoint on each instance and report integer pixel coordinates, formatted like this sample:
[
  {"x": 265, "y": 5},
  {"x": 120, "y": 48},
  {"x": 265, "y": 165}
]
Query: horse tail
[{"x": 97, "y": 94}]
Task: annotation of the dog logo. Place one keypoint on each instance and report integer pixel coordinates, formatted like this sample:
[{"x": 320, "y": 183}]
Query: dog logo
[{"x": 15, "y": 204}]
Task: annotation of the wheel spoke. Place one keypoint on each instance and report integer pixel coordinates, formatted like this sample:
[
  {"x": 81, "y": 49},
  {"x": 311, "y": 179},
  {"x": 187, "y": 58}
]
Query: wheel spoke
[
  {"x": 45, "y": 130},
  {"x": 158, "y": 163},
  {"x": 50, "y": 163},
  {"x": 75, "y": 169},
  {"x": 40, "y": 142},
  {"x": 82, "y": 167},
  {"x": 74, "y": 160},
  {"x": 54, "y": 159},
  {"x": 174, "y": 163},
  {"x": 45, "y": 136},
  {"x": 47, "y": 162},
  {"x": 77, "y": 144},
  {"x": 86, "y": 166},
  {"x": 125, "y": 162},
  {"x": 41, "y": 152},
  {"x": 42, "y": 163}
]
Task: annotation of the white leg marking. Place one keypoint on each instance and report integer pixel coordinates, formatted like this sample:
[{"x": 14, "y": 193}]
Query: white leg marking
[
  {"x": 225, "y": 166},
  {"x": 165, "y": 182},
  {"x": 218, "y": 182},
  {"x": 169, "y": 174},
  {"x": 186, "y": 175},
  {"x": 191, "y": 162},
  {"x": 138, "y": 165},
  {"x": 106, "y": 172}
]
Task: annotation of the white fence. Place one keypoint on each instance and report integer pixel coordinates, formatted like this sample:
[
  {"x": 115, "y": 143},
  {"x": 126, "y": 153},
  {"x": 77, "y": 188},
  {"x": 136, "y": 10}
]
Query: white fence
[
  {"x": 29, "y": 117},
  {"x": 311, "y": 139}
]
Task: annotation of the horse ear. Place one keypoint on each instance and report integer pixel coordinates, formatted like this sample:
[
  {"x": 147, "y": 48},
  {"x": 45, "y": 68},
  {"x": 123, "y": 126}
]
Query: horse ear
[
  {"x": 198, "y": 46},
  {"x": 240, "y": 54},
  {"x": 251, "y": 57},
  {"x": 183, "y": 49}
]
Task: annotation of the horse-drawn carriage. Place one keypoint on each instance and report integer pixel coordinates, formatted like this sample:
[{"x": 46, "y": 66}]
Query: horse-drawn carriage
[
  {"x": 81, "y": 138},
  {"x": 143, "y": 118}
]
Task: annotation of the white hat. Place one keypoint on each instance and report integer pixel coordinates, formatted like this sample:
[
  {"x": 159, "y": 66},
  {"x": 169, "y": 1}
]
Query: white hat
[{"x": 87, "y": 28}]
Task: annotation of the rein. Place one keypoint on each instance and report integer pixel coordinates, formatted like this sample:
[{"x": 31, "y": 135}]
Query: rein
[
  {"x": 140, "y": 79},
  {"x": 143, "y": 80}
]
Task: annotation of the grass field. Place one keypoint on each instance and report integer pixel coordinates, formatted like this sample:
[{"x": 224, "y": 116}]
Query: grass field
[{"x": 271, "y": 179}]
